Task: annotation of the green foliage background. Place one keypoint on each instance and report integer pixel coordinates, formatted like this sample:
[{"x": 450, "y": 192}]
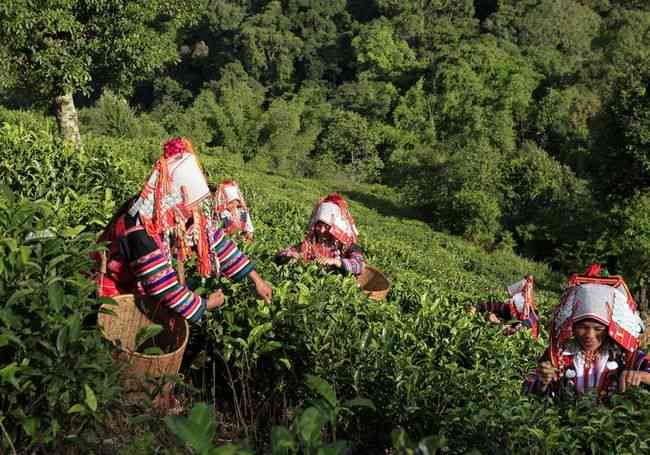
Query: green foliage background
[
  {"x": 515, "y": 122},
  {"x": 465, "y": 135}
]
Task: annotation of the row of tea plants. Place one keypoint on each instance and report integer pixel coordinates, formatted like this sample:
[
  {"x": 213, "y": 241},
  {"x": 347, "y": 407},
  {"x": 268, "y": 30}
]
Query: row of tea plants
[{"x": 431, "y": 369}]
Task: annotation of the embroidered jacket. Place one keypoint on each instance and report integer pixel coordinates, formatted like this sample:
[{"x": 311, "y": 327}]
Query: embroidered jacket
[
  {"x": 139, "y": 263},
  {"x": 576, "y": 376}
]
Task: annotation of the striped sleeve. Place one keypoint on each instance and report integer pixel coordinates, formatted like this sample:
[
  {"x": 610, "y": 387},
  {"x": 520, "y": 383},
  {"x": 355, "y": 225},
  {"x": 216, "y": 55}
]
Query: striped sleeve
[
  {"x": 353, "y": 262},
  {"x": 160, "y": 282},
  {"x": 235, "y": 265}
]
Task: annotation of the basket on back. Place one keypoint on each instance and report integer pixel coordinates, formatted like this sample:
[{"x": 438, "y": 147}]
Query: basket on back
[
  {"x": 123, "y": 325},
  {"x": 373, "y": 283}
]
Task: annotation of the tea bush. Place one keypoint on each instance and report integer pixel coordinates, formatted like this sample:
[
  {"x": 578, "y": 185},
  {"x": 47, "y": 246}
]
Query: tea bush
[
  {"x": 432, "y": 369},
  {"x": 55, "y": 369},
  {"x": 416, "y": 355},
  {"x": 83, "y": 186},
  {"x": 112, "y": 116}
]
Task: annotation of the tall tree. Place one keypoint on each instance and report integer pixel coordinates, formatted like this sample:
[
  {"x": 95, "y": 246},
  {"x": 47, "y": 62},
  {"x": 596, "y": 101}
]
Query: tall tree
[
  {"x": 268, "y": 48},
  {"x": 623, "y": 139},
  {"x": 57, "y": 48}
]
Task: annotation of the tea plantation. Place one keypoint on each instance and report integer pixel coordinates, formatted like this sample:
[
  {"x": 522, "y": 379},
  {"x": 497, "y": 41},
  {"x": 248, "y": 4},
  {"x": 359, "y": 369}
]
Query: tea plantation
[{"x": 320, "y": 370}]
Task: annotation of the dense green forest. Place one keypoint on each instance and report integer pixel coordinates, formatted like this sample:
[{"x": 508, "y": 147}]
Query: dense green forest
[
  {"x": 520, "y": 126},
  {"x": 524, "y": 124}
]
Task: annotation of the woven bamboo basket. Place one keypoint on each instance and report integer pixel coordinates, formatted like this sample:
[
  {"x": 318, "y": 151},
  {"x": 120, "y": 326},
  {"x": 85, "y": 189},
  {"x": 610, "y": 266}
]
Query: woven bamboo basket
[
  {"x": 121, "y": 329},
  {"x": 373, "y": 283}
]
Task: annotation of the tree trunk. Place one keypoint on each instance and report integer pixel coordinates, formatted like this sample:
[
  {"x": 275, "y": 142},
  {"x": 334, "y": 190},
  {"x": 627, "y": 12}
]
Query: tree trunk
[
  {"x": 642, "y": 300},
  {"x": 66, "y": 115}
]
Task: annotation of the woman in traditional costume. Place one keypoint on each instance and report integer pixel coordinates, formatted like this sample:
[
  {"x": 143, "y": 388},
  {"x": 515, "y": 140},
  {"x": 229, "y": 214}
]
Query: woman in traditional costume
[
  {"x": 520, "y": 307},
  {"x": 331, "y": 238},
  {"x": 594, "y": 341},
  {"x": 232, "y": 211},
  {"x": 172, "y": 215}
]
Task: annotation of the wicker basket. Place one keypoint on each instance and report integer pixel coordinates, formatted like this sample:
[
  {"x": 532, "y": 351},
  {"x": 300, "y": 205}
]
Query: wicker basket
[
  {"x": 123, "y": 325},
  {"x": 373, "y": 283}
]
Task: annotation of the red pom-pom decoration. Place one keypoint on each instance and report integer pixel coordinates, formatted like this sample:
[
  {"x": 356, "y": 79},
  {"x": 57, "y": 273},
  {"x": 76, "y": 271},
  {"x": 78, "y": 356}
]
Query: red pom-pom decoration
[
  {"x": 336, "y": 198},
  {"x": 174, "y": 147},
  {"x": 593, "y": 270}
]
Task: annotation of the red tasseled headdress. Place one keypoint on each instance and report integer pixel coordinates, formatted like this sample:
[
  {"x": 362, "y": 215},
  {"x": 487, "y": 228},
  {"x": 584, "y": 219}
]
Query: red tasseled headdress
[
  {"x": 163, "y": 220},
  {"x": 336, "y": 199},
  {"x": 174, "y": 147}
]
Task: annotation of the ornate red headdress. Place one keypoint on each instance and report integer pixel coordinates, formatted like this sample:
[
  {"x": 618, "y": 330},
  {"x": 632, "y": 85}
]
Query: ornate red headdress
[
  {"x": 172, "y": 195},
  {"x": 605, "y": 299}
]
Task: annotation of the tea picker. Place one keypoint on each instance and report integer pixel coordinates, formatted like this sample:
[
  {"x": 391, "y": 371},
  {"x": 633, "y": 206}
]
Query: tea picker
[
  {"x": 594, "y": 341},
  {"x": 232, "y": 211},
  {"x": 172, "y": 215},
  {"x": 331, "y": 240},
  {"x": 520, "y": 307}
]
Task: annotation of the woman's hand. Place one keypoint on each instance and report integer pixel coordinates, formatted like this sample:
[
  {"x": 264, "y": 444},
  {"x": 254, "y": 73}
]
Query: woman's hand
[
  {"x": 511, "y": 329},
  {"x": 215, "y": 300},
  {"x": 546, "y": 373},
  {"x": 632, "y": 378},
  {"x": 263, "y": 289},
  {"x": 322, "y": 260},
  {"x": 493, "y": 318}
]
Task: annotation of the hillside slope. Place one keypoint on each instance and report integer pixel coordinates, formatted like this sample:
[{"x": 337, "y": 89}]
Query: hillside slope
[
  {"x": 429, "y": 366},
  {"x": 392, "y": 237}
]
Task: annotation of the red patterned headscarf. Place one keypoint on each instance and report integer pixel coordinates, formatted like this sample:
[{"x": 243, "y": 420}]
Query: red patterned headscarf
[{"x": 333, "y": 211}]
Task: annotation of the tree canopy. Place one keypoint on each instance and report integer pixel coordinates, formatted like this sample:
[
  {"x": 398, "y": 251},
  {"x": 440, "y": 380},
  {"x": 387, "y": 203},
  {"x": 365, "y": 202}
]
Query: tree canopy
[{"x": 493, "y": 120}]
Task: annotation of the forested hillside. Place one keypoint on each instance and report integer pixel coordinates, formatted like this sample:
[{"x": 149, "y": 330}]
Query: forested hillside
[
  {"x": 476, "y": 141},
  {"x": 522, "y": 123}
]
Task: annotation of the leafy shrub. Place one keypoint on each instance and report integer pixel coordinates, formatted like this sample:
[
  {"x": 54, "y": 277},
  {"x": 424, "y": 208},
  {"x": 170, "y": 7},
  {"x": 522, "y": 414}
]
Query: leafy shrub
[
  {"x": 198, "y": 431},
  {"x": 350, "y": 141},
  {"x": 56, "y": 372},
  {"x": 306, "y": 432},
  {"x": 234, "y": 111},
  {"x": 83, "y": 185},
  {"x": 29, "y": 120},
  {"x": 112, "y": 116},
  {"x": 287, "y": 138},
  {"x": 547, "y": 207},
  {"x": 630, "y": 237},
  {"x": 475, "y": 214},
  {"x": 523, "y": 425}
]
